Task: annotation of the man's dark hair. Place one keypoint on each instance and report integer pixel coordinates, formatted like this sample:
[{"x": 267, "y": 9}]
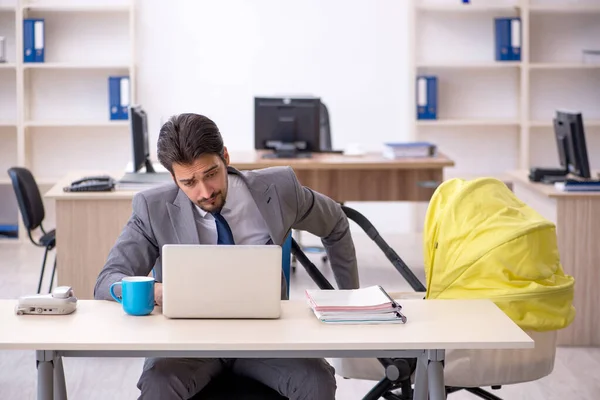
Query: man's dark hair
[{"x": 185, "y": 137}]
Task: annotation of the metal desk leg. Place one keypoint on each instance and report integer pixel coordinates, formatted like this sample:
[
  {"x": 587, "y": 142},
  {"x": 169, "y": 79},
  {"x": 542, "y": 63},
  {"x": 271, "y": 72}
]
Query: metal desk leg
[
  {"x": 45, "y": 374},
  {"x": 420, "y": 391},
  {"x": 60, "y": 387},
  {"x": 435, "y": 374}
]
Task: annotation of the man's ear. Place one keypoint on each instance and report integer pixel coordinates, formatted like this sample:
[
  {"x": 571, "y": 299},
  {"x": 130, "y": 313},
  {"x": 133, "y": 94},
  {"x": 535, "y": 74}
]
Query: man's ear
[{"x": 226, "y": 156}]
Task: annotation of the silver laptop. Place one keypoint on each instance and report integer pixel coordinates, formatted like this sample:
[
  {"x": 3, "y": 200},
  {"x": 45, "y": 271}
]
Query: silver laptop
[{"x": 221, "y": 281}]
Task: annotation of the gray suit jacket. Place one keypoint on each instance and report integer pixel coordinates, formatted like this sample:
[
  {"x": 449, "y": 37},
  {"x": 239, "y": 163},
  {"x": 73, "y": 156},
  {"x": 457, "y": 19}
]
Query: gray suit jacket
[{"x": 164, "y": 215}]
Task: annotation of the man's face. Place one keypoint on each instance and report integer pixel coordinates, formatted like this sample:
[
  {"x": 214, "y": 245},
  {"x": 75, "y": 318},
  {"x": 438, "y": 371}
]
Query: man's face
[{"x": 204, "y": 181}]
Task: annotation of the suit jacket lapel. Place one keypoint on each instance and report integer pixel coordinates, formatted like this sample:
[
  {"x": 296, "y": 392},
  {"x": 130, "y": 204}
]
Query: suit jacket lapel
[
  {"x": 268, "y": 205},
  {"x": 267, "y": 200},
  {"x": 182, "y": 218}
]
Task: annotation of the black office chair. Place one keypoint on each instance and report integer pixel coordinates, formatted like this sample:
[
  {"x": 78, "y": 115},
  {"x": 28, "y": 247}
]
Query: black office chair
[
  {"x": 325, "y": 125},
  {"x": 229, "y": 386},
  {"x": 325, "y": 145},
  {"x": 32, "y": 212}
]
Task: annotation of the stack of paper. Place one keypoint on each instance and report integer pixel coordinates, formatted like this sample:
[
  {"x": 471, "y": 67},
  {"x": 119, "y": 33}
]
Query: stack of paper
[
  {"x": 371, "y": 305},
  {"x": 411, "y": 149}
]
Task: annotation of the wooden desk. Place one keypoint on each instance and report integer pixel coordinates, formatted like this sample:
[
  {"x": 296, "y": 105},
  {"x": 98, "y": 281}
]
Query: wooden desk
[
  {"x": 577, "y": 219},
  {"x": 102, "y": 329},
  {"x": 88, "y": 224},
  {"x": 359, "y": 178}
]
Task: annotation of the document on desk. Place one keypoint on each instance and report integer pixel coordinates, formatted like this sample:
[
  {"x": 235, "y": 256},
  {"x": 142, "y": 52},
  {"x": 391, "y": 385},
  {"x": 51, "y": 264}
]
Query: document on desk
[{"x": 371, "y": 305}]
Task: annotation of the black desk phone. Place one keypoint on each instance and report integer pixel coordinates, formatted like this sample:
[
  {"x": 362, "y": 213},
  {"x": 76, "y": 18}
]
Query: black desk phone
[{"x": 100, "y": 183}]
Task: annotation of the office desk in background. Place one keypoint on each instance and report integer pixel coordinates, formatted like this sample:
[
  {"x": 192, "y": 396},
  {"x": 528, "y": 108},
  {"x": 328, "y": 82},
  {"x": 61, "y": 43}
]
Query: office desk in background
[
  {"x": 101, "y": 329},
  {"x": 577, "y": 219},
  {"x": 361, "y": 178},
  {"x": 88, "y": 224}
]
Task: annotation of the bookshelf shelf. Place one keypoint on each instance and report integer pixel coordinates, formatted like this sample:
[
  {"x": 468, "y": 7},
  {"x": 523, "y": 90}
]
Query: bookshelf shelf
[
  {"x": 482, "y": 65},
  {"x": 77, "y": 8},
  {"x": 559, "y": 66},
  {"x": 466, "y": 8},
  {"x": 499, "y": 114},
  {"x": 564, "y": 9},
  {"x": 54, "y": 115},
  {"x": 77, "y": 124},
  {"x": 58, "y": 65},
  {"x": 467, "y": 122}
]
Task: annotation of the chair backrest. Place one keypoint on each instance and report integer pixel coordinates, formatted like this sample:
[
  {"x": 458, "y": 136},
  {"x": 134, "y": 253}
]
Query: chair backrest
[
  {"x": 325, "y": 134},
  {"x": 28, "y": 197}
]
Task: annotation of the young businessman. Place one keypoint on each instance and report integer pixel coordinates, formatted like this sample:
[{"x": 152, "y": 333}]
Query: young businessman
[{"x": 213, "y": 203}]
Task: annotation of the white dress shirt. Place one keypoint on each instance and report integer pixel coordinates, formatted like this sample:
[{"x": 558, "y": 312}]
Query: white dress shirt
[{"x": 241, "y": 213}]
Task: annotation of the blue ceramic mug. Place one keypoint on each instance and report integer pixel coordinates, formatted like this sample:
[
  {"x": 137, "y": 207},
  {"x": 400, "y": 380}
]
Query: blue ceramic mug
[{"x": 137, "y": 294}]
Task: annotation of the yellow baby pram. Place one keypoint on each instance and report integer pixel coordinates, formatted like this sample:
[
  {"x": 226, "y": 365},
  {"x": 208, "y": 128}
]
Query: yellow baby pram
[{"x": 481, "y": 241}]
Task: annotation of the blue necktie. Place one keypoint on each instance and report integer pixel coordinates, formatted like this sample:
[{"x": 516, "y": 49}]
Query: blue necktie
[{"x": 224, "y": 235}]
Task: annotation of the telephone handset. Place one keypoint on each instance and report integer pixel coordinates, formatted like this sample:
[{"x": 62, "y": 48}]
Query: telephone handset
[{"x": 99, "y": 183}]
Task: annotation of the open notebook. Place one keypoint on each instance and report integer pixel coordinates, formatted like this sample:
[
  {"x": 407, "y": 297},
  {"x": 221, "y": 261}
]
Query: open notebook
[{"x": 370, "y": 305}]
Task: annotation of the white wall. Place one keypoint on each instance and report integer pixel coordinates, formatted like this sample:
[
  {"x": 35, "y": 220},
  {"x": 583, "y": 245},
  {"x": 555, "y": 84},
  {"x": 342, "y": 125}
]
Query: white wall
[{"x": 213, "y": 57}]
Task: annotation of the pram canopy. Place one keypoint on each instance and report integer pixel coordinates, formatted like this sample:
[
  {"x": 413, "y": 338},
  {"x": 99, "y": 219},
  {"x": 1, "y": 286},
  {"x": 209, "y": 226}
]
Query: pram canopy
[{"x": 481, "y": 241}]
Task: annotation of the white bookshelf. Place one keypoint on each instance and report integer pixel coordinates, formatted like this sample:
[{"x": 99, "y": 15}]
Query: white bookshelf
[
  {"x": 54, "y": 116},
  {"x": 497, "y": 116}
]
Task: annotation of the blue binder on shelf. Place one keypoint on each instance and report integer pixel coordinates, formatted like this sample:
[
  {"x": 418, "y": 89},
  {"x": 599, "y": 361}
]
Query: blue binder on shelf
[
  {"x": 33, "y": 40},
  {"x": 118, "y": 97},
  {"x": 426, "y": 97},
  {"x": 508, "y": 39}
]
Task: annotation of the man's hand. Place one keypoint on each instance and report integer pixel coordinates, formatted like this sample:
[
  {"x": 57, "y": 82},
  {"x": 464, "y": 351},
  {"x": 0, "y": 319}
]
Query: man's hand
[{"x": 158, "y": 293}]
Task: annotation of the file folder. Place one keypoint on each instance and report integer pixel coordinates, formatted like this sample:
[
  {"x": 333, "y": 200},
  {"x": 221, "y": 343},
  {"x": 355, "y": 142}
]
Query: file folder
[
  {"x": 2, "y": 49},
  {"x": 508, "y": 39},
  {"x": 426, "y": 97},
  {"x": 515, "y": 38},
  {"x": 39, "y": 39},
  {"x": 28, "y": 51},
  {"x": 33, "y": 40},
  {"x": 118, "y": 97}
]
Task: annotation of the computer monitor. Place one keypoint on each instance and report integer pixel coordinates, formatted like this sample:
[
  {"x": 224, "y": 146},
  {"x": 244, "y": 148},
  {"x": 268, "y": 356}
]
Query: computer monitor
[
  {"x": 139, "y": 139},
  {"x": 288, "y": 125},
  {"x": 571, "y": 144}
]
